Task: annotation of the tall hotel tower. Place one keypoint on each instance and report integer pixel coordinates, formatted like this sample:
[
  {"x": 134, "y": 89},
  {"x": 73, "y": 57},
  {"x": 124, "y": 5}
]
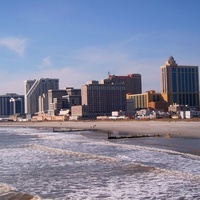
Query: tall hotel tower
[
  {"x": 180, "y": 84},
  {"x": 102, "y": 99},
  {"x": 36, "y": 88},
  {"x": 133, "y": 82}
]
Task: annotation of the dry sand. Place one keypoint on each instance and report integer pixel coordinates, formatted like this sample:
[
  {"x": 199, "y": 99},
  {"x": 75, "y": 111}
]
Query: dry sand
[{"x": 170, "y": 127}]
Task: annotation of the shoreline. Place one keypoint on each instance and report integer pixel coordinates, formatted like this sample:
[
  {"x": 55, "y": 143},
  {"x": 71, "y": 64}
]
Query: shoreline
[{"x": 187, "y": 129}]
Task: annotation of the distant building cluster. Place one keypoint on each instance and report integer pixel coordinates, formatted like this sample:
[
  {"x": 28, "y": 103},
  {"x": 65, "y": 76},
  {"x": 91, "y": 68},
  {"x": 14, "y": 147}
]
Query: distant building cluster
[{"x": 111, "y": 97}]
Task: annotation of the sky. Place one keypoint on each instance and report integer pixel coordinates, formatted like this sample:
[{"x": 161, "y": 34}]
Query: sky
[{"x": 81, "y": 40}]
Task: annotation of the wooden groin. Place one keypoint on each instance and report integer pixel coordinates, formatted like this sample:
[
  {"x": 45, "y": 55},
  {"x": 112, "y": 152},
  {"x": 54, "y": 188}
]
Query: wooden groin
[
  {"x": 67, "y": 130},
  {"x": 71, "y": 130},
  {"x": 121, "y": 136}
]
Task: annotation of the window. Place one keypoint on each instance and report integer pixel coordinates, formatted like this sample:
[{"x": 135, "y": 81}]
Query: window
[
  {"x": 174, "y": 80},
  {"x": 174, "y": 98}
]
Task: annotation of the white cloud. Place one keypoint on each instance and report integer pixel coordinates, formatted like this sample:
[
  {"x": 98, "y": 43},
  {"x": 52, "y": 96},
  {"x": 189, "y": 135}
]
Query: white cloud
[
  {"x": 119, "y": 61},
  {"x": 107, "y": 59},
  {"x": 92, "y": 63},
  {"x": 46, "y": 63},
  {"x": 68, "y": 76},
  {"x": 16, "y": 44}
]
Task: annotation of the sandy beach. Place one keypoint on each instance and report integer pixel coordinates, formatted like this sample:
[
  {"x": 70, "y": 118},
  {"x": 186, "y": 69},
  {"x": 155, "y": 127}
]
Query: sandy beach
[{"x": 169, "y": 127}]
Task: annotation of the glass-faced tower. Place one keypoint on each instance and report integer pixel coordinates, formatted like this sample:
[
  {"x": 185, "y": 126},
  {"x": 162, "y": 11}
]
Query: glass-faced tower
[{"x": 180, "y": 83}]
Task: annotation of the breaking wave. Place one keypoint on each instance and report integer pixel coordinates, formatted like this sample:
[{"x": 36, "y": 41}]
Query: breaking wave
[{"x": 71, "y": 153}]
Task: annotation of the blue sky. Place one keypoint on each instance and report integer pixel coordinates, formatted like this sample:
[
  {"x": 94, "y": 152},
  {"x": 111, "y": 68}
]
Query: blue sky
[{"x": 81, "y": 40}]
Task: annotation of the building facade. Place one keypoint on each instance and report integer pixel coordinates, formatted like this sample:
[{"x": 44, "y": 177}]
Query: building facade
[
  {"x": 180, "y": 83},
  {"x": 55, "y": 101},
  {"x": 73, "y": 97},
  {"x": 35, "y": 89},
  {"x": 63, "y": 99},
  {"x": 149, "y": 99},
  {"x": 11, "y": 104},
  {"x": 102, "y": 99},
  {"x": 133, "y": 82}
]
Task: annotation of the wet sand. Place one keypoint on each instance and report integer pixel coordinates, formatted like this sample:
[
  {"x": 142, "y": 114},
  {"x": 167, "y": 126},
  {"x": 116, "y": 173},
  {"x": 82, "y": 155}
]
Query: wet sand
[{"x": 172, "y": 128}]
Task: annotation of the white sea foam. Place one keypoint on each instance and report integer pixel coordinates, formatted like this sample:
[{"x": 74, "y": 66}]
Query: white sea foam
[
  {"x": 128, "y": 146},
  {"x": 153, "y": 149},
  {"x": 77, "y": 154},
  {"x": 71, "y": 166},
  {"x": 187, "y": 176}
]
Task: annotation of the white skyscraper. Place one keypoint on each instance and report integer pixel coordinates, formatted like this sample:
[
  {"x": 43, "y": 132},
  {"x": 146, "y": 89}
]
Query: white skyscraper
[{"x": 36, "y": 88}]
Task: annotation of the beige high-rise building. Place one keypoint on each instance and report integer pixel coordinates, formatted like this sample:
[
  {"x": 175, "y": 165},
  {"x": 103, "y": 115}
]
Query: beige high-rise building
[
  {"x": 180, "y": 83},
  {"x": 102, "y": 99}
]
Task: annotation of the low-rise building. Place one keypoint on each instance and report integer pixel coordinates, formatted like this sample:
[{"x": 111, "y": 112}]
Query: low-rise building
[
  {"x": 175, "y": 108},
  {"x": 80, "y": 111}
]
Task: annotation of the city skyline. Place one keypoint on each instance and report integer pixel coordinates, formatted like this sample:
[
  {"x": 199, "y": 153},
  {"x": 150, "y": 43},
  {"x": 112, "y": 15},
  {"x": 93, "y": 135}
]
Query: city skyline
[{"x": 77, "y": 41}]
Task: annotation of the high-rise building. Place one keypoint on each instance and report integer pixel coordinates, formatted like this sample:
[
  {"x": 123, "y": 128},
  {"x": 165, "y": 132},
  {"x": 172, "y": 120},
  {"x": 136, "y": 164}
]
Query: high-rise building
[
  {"x": 36, "y": 88},
  {"x": 180, "y": 83},
  {"x": 102, "y": 99},
  {"x": 133, "y": 82},
  {"x": 73, "y": 97},
  {"x": 11, "y": 104},
  {"x": 63, "y": 99},
  {"x": 55, "y": 101}
]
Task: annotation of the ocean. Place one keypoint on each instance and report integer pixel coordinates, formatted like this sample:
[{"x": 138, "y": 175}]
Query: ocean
[{"x": 42, "y": 164}]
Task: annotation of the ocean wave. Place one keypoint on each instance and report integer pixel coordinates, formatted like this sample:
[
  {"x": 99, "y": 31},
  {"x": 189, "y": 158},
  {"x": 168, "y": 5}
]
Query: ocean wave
[
  {"x": 139, "y": 168},
  {"x": 186, "y": 176},
  {"x": 62, "y": 137},
  {"x": 137, "y": 147},
  {"x": 82, "y": 139},
  {"x": 71, "y": 153}
]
